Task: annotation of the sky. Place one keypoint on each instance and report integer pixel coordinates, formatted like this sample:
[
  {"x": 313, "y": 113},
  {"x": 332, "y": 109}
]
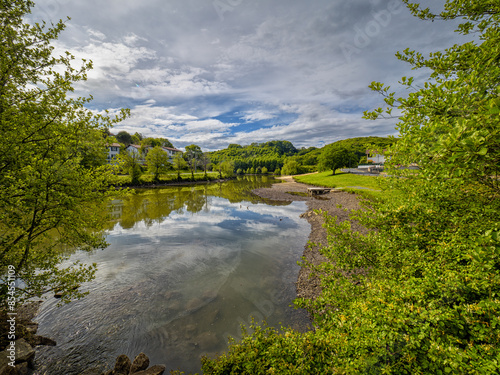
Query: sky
[{"x": 217, "y": 72}]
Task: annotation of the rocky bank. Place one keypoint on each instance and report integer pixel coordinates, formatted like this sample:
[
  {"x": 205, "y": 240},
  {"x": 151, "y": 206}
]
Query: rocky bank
[{"x": 289, "y": 190}]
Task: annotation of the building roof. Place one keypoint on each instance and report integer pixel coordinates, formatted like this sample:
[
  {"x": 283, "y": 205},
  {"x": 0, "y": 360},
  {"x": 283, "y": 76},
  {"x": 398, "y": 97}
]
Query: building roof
[{"x": 171, "y": 149}]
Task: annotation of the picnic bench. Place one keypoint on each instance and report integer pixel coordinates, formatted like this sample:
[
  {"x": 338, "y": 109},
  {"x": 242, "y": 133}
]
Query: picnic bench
[{"x": 317, "y": 191}]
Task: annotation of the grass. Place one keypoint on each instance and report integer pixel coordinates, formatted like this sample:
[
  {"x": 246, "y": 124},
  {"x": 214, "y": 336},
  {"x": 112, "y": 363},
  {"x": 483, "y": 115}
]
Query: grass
[{"x": 367, "y": 186}]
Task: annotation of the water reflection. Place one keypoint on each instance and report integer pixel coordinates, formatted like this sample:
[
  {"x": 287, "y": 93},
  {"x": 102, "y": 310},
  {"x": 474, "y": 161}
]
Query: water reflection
[
  {"x": 154, "y": 205},
  {"x": 185, "y": 267}
]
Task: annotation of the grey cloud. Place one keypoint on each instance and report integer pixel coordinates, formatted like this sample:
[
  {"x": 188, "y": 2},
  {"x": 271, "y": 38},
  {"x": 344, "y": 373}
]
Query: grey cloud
[{"x": 180, "y": 64}]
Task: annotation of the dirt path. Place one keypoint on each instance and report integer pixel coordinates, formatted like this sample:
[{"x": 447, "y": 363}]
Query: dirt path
[{"x": 309, "y": 287}]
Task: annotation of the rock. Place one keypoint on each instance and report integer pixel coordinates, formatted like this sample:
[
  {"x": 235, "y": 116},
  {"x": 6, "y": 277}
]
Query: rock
[
  {"x": 32, "y": 327},
  {"x": 5, "y": 369},
  {"x": 141, "y": 362},
  {"x": 155, "y": 370},
  {"x": 122, "y": 365},
  {"x": 58, "y": 294},
  {"x": 194, "y": 304},
  {"x": 36, "y": 340},
  {"x": 24, "y": 352},
  {"x": 28, "y": 311},
  {"x": 22, "y": 368}
]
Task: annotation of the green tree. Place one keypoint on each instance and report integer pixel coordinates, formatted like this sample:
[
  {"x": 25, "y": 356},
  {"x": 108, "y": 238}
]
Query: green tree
[
  {"x": 130, "y": 163},
  {"x": 226, "y": 168},
  {"x": 124, "y": 137},
  {"x": 157, "y": 161},
  {"x": 50, "y": 197},
  {"x": 291, "y": 167},
  {"x": 450, "y": 126},
  {"x": 193, "y": 154},
  {"x": 205, "y": 163},
  {"x": 179, "y": 164},
  {"x": 153, "y": 142},
  {"x": 137, "y": 138},
  {"x": 334, "y": 158}
]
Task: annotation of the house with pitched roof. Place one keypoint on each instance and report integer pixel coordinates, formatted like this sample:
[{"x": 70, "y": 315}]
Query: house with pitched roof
[{"x": 113, "y": 151}]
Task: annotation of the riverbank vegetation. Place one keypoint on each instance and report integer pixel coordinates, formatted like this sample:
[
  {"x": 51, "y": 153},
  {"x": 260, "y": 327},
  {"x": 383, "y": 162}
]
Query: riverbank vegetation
[
  {"x": 52, "y": 185},
  {"x": 420, "y": 294}
]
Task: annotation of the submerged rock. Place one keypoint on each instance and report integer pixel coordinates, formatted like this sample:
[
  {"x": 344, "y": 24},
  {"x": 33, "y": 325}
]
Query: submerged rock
[
  {"x": 122, "y": 365},
  {"x": 24, "y": 352},
  {"x": 141, "y": 362}
]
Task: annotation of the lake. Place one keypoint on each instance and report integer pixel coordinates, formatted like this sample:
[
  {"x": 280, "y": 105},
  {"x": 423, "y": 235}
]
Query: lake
[{"x": 185, "y": 267}]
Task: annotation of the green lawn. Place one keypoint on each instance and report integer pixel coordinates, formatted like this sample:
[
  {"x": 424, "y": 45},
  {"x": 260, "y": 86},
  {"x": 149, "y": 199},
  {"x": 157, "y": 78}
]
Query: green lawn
[{"x": 366, "y": 186}]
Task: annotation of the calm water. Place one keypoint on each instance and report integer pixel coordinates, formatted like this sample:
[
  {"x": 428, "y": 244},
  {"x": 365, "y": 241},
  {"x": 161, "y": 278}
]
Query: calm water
[{"x": 186, "y": 266}]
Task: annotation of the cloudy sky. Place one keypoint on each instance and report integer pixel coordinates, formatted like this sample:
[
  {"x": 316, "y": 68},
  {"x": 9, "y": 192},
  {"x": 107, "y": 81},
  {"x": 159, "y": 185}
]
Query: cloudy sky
[{"x": 215, "y": 72}]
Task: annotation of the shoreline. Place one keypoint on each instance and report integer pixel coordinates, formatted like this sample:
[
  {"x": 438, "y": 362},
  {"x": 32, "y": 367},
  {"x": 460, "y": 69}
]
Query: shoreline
[
  {"x": 307, "y": 286},
  {"x": 172, "y": 183}
]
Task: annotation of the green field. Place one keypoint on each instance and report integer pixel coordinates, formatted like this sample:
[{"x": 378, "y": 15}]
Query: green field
[{"x": 366, "y": 186}]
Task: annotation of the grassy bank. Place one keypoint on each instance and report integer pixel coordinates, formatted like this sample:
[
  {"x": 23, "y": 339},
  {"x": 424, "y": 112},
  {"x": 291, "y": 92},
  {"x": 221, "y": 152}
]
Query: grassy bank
[{"x": 366, "y": 186}]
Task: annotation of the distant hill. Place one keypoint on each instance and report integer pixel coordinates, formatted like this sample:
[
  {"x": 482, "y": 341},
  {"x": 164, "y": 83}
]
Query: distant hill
[{"x": 269, "y": 154}]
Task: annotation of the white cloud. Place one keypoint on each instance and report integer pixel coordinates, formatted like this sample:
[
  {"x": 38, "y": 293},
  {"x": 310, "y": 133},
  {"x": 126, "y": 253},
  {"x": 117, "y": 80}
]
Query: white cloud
[
  {"x": 191, "y": 76},
  {"x": 257, "y": 115}
]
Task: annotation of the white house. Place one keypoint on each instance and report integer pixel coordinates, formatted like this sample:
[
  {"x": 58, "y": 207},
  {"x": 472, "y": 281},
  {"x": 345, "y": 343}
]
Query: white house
[
  {"x": 171, "y": 152},
  {"x": 133, "y": 149},
  {"x": 113, "y": 150},
  {"x": 375, "y": 156}
]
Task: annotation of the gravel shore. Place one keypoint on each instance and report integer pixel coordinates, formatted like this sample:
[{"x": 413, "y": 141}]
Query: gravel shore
[{"x": 309, "y": 287}]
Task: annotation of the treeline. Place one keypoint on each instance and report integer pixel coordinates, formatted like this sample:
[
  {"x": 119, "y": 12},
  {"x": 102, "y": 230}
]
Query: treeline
[
  {"x": 281, "y": 157},
  {"x": 252, "y": 158}
]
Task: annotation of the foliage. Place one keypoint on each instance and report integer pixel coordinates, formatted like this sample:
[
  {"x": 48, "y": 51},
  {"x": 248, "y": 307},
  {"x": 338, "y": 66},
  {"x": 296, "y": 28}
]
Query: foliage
[
  {"x": 270, "y": 155},
  {"x": 124, "y": 137},
  {"x": 205, "y": 161},
  {"x": 153, "y": 142},
  {"x": 419, "y": 293},
  {"x": 226, "y": 168},
  {"x": 450, "y": 125},
  {"x": 52, "y": 189},
  {"x": 130, "y": 163},
  {"x": 269, "y": 351},
  {"x": 334, "y": 158},
  {"x": 290, "y": 167},
  {"x": 192, "y": 155},
  {"x": 157, "y": 161},
  {"x": 179, "y": 164},
  {"x": 137, "y": 138},
  {"x": 359, "y": 145}
]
